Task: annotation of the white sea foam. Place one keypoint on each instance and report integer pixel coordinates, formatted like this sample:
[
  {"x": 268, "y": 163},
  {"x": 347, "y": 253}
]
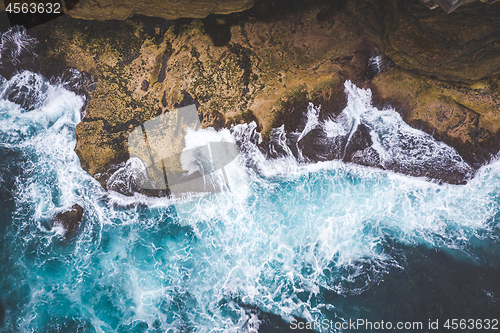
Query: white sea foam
[
  {"x": 334, "y": 129},
  {"x": 201, "y": 138},
  {"x": 376, "y": 64},
  {"x": 312, "y": 120},
  {"x": 287, "y": 229},
  {"x": 14, "y": 44}
]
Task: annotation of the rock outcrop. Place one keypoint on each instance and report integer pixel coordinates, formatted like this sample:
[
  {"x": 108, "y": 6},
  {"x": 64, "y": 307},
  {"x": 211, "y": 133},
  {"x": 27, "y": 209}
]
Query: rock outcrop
[
  {"x": 449, "y": 5},
  {"x": 267, "y": 63},
  {"x": 167, "y": 9},
  {"x": 70, "y": 220},
  {"x": 174, "y": 9},
  {"x": 240, "y": 70},
  {"x": 461, "y": 46},
  {"x": 463, "y": 115}
]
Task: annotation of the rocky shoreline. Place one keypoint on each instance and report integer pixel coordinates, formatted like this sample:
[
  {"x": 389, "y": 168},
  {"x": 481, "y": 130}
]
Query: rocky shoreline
[{"x": 439, "y": 71}]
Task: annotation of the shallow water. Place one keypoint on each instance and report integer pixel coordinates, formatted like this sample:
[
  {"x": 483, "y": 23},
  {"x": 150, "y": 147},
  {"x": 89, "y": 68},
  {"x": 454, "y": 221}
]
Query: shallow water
[{"x": 290, "y": 240}]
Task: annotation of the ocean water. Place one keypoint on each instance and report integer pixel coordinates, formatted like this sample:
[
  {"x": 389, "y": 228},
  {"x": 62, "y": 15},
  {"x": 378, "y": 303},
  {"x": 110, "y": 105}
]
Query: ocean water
[{"x": 291, "y": 240}]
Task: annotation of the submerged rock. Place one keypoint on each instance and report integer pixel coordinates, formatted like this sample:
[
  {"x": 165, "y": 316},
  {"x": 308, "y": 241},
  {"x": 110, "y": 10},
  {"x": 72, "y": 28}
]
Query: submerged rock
[{"x": 70, "y": 220}]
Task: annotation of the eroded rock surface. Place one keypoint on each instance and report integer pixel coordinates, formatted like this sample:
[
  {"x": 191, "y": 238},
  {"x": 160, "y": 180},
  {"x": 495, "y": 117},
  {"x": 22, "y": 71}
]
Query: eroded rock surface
[
  {"x": 464, "y": 115},
  {"x": 268, "y": 63},
  {"x": 168, "y": 9},
  {"x": 461, "y": 46},
  {"x": 145, "y": 70}
]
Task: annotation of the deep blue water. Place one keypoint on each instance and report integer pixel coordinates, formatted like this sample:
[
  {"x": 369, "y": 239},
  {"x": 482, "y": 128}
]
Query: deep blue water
[{"x": 291, "y": 241}]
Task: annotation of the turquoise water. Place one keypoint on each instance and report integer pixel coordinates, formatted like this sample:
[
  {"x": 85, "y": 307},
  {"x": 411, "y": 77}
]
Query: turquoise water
[{"x": 292, "y": 239}]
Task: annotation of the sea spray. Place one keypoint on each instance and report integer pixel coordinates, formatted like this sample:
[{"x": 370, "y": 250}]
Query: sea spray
[
  {"x": 378, "y": 63},
  {"x": 15, "y": 45},
  {"x": 390, "y": 144},
  {"x": 297, "y": 230},
  {"x": 26, "y": 89}
]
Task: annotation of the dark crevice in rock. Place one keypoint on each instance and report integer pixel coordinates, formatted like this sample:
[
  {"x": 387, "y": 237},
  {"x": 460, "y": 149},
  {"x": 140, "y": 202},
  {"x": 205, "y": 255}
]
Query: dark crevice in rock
[
  {"x": 4, "y": 22},
  {"x": 243, "y": 61},
  {"x": 187, "y": 100},
  {"x": 181, "y": 25},
  {"x": 115, "y": 128},
  {"x": 327, "y": 14},
  {"x": 218, "y": 28},
  {"x": 154, "y": 27},
  {"x": 377, "y": 64},
  {"x": 359, "y": 141},
  {"x": 164, "y": 100},
  {"x": 164, "y": 59}
]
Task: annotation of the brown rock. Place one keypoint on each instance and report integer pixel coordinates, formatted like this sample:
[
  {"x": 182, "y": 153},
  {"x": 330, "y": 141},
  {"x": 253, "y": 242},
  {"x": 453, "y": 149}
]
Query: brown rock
[
  {"x": 70, "y": 220},
  {"x": 461, "y": 46},
  {"x": 168, "y": 9},
  {"x": 266, "y": 65},
  {"x": 465, "y": 116},
  {"x": 258, "y": 73}
]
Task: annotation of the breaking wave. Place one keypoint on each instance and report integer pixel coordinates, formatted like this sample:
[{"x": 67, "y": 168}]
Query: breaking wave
[{"x": 287, "y": 231}]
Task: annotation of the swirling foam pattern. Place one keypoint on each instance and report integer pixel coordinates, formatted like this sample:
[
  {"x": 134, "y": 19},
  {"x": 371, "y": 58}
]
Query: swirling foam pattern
[{"x": 287, "y": 234}]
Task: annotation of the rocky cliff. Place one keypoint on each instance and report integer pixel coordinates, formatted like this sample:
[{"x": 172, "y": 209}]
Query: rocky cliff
[
  {"x": 265, "y": 64},
  {"x": 446, "y": 75},
  {"x": 174, "y": 9},
  {"x": 168, "y": 9}
]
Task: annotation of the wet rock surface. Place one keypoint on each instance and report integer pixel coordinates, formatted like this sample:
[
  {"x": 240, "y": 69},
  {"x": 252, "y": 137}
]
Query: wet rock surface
[
  {"x": 371, "y": 137},
  {"x": 449, "y": 5},
  {"x": 70, "y": 221},
  {"x": 463, "y": 115}
]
